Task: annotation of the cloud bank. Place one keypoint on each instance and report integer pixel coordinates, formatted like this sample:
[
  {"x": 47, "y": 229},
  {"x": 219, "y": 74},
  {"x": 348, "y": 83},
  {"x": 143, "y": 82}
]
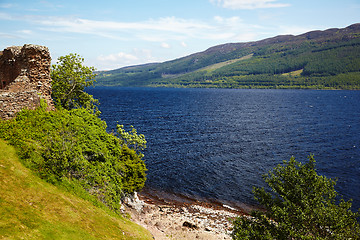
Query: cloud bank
[
  {"x": 120, "y": 59},
  {"x": 154, "y": 30},
  {"x": 249, "y": 4}
]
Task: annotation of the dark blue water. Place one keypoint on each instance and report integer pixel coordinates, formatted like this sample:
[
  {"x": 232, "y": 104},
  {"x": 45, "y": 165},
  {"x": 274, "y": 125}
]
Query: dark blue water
[{"x": 216, "y": 143}]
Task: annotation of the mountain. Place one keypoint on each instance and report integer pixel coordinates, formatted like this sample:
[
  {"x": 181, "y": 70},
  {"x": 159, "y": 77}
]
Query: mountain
[{"x": 327, "y": 59}]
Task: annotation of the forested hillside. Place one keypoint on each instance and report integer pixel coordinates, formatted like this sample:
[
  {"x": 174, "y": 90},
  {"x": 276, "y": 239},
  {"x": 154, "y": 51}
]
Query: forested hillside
[{"x": 327, "y": 59}]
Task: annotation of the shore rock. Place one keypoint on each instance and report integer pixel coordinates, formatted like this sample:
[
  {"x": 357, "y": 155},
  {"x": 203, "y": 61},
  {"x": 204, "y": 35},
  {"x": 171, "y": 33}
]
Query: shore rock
[{"x": 182, "y": 221}]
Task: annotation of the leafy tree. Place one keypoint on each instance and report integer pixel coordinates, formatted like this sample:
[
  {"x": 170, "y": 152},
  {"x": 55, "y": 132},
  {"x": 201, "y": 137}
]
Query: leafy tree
[
  {"x": 69, "y": 79},
  {"x": 301, "y": 205}
]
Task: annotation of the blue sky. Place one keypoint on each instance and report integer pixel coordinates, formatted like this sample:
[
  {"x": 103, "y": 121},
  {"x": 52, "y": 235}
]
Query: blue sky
[{"x": 113, "y": 34}]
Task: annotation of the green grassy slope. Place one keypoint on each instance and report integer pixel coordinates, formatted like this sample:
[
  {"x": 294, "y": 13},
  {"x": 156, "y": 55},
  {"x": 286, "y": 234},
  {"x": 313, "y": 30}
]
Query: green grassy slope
[
  {"x": 327, "y": 59},
  {"x": 30, "y": 208}
]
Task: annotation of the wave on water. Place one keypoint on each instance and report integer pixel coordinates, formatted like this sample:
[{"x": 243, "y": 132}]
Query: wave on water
[{"x": 215, "y": 144}]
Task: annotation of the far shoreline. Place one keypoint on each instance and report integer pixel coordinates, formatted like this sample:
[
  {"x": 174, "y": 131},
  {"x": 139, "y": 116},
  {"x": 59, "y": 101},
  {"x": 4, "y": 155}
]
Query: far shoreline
[{"x": 180, "y": 87}]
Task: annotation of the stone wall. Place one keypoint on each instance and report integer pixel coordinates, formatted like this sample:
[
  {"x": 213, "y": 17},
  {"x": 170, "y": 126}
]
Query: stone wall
[{"x": 24, "y": 78}]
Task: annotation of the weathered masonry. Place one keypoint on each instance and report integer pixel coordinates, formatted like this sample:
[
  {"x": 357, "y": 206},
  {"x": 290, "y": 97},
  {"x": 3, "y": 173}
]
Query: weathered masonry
[{"x": 24, "y": 78}]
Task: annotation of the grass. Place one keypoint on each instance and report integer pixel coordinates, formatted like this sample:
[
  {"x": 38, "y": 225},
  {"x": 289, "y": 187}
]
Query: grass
[
  {"x": 215, "y": 66},
  {"x": 296, "y": 73},
  {"x": 31, "y": 208},
  {"x": 210, "y": 68}
]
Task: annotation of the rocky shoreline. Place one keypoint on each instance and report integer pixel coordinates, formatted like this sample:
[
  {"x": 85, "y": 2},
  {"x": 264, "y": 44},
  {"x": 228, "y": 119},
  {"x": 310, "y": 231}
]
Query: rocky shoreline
[{"x": 181, "y": 220}]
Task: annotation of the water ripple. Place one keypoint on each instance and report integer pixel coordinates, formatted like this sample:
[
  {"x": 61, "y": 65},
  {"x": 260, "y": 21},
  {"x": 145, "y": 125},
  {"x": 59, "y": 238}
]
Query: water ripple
[{"x": 216, "y": 143}]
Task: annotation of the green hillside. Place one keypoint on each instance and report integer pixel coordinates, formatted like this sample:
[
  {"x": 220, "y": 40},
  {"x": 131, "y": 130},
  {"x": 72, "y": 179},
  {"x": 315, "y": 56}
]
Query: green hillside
[
  {"x": 31, "y": 208},
  {"x": 327, "y": 59}
]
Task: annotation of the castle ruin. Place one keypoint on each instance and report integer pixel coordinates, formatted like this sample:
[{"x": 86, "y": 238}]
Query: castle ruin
[{"x": 24, "y": 79}]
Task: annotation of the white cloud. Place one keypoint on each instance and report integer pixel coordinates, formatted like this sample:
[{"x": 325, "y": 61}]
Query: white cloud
[
  {"x": 121, "y": 59},
  {"x": 121, "y": 56},
  {"x": 249, "y": 4},
  {"x": 25, "y": 31},
  {"x": 232, "y": 21},
  {"x": 5, "y": 16},
  {"x": 295, "y": 30},
  {"x": 78, "y": 25},
  {"x": 156, "y": 30},
  {"x": 7, "y": 35},
  {"x": 156, "y": 36},
  {"x": 165, "y": 45},
  {"x": 165, "y": 31},
  {"x": 6, "y": 5},
  {"x": 245, "y": 37},
  {"x": 235, "y": 29}
]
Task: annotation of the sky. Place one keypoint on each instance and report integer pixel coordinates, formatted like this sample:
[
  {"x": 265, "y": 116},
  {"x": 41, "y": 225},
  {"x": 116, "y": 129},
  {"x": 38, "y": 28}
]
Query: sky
[{"x": 117, "y": 33}]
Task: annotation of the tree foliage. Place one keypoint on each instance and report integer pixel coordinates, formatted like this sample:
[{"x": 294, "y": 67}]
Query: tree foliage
[
  {"x": 301, "y": 205},
  {"x": 73, "y": 146},
  {"x": 69, "y": 79},
  {"x": 131, "y": 139}
]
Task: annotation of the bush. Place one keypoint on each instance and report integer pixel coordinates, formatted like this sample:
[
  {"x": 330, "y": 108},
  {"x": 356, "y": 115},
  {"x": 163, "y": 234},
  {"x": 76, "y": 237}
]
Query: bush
[
  {"x": 302, "y": 205},
  {"x": 74, "y": 145}
]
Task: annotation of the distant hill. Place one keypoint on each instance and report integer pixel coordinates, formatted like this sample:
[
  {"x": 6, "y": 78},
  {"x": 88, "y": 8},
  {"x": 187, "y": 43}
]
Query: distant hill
[
  {"x": 31, "y": 208},
  {"x": 327, "y": 59}
]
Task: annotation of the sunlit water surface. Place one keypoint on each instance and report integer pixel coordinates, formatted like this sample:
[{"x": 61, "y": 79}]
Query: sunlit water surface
[{"x": 216, "y": 143}]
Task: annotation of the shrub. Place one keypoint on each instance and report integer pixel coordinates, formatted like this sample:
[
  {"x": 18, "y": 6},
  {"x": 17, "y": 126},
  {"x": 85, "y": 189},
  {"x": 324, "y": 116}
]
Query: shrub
[
  {"x": 74, "y": 145},
  {"x": 302, "y": 205}
]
